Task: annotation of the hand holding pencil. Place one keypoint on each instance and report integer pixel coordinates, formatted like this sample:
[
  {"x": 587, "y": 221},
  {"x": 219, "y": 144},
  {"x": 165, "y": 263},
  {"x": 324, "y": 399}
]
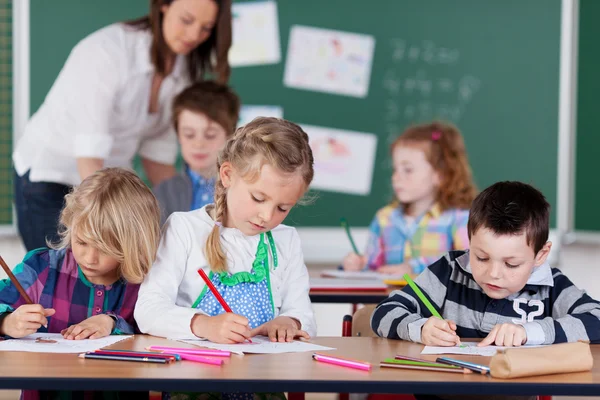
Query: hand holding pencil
[
  {"x": 26, "y": 319},
  {"x": 223, "y": 328},
  {"x": 436, "y": 331}
]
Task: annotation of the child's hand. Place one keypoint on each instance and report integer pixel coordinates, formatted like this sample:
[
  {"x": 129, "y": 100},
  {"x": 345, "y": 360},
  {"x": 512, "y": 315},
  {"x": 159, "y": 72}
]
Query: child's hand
[
  {"x": 225, "y": 328},
  {"x": 92, "y": 328},
  {"x": 397, "y": 269},
  {"x": 25, "y": 320},
  {"x": 354, "y": 262},
  {"x": 281, "y": 329},
  {"x": 439, "y": 332},
  {"x": 506, "y": 335}
]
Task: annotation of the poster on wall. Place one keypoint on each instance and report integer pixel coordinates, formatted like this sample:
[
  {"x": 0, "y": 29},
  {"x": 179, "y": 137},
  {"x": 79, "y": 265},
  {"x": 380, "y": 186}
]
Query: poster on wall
[
  {"x": 255, "y": 38},
  {"x": 344, "y": 160},
  {"x": 329, "y": 61}
]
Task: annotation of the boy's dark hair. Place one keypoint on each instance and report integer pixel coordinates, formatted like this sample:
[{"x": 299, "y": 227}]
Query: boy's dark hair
[
  {"x": 218, "y": 102},
  {"x": 510, "y": 208}
]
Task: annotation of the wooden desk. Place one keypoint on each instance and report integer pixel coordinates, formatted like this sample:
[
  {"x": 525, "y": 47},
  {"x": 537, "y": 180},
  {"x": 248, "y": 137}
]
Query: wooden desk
[{"x": 296, "y": 372}]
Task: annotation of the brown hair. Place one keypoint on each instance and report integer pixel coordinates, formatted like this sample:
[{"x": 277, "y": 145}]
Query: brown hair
[
  {"x": 218, "y": 102},
  {"x": 200, "y": 60},
  {"x": 115, "y": 212},
  {"x": 445, "y": 150},
  {"x": 510, "y": 208},
  {"x": 277, "y": 142}
]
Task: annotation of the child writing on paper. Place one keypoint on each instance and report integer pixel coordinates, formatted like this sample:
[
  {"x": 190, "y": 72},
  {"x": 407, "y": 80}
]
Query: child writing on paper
[
  {"x": 434, "y": 189},
  {"x": 502, "y": 289},
  {"x": 204, "y": 116},
  {"x": 254, "y": 262},
  {"x": 87, "y": 285}
]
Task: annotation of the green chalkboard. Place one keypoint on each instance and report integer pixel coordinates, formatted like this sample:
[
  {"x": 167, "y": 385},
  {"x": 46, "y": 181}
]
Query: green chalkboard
[
  {"x": 587, "y": 189},
  {"x": 490, "y": 66}
]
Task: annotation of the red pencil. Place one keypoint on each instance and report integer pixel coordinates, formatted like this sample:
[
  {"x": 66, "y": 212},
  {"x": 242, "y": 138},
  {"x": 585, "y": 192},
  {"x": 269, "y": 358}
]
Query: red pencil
[{"x": 214, "y": 290}]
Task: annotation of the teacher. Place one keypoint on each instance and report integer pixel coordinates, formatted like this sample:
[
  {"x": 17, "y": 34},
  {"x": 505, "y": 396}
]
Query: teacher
[{"x": 111, "y": 101}]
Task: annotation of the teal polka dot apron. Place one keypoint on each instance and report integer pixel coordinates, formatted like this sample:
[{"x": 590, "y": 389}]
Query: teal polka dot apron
[{"x": 247, "y": 293}]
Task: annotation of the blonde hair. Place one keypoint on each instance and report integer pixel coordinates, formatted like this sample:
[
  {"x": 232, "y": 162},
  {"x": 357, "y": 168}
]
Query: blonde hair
[
  {"x": 277, "y": 142},
  {"x": 445, "y": 150},
  {"x": 115, "y": 212}
]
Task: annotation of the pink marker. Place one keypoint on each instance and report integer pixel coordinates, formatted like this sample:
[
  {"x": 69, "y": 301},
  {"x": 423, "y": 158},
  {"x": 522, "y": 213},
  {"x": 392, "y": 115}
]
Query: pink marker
[
  {"x": 344, "y": 362},
  {"x": 200, "y": 359},
  {"x": 198, "y": 352}
]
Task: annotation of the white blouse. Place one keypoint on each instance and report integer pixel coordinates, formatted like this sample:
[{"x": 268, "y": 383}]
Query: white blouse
[
  {"x": 164, "y": 305},
  {"x": 98, "y": 108}
]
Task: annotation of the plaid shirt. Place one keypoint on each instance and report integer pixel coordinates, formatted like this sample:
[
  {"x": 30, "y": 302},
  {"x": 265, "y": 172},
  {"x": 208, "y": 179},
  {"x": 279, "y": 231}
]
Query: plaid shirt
[
  {"x": 393, "y": 240},
  {"x": 53, "y": 279}
]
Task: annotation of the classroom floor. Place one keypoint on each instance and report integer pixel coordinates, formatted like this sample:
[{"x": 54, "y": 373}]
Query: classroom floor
[{"x": 579, "y": 262}]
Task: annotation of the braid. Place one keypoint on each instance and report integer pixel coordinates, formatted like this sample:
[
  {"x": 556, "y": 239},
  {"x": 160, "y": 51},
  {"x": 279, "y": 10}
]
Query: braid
[{"x": 279, "y": 143}]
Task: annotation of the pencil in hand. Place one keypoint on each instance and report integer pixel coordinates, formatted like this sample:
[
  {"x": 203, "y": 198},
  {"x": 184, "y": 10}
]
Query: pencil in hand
[
  {"x": 216, "y": 293},
  {"x": 425, "y": 300}
]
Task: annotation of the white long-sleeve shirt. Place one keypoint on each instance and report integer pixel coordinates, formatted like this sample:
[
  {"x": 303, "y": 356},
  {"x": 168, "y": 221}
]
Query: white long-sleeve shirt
[
  {"x": 98, "y": 108},
  {"x": 164, "y": 306}
]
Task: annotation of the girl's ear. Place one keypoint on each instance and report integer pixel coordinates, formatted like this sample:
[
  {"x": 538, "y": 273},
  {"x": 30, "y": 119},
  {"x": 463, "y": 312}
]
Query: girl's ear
[{"x": 226, "y": 173}]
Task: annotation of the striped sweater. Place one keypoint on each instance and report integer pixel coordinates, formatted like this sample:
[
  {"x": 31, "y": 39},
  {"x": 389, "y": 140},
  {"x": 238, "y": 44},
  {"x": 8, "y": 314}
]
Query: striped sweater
[{"x": 550, "y": 307}]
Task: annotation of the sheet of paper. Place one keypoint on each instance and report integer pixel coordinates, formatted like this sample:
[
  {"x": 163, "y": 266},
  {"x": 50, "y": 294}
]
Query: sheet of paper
[
  {"x": 55, "y": 343},
  {"x": 255, "y": 34},
  {"x": 259, "y": 345},
  {"x": 344, "y": 160},
  {"x": 362, "y": 275},
  {"x": 469, "y": 349},
  {"x": 249, "y": 112},
  {"x": 329, "y": 61},
  {"x": 348, "y": 284}
]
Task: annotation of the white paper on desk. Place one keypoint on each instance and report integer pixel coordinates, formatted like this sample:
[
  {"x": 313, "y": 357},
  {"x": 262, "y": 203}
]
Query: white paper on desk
[
  {"x": 344, "y": 160},
  {"x": 259, "y": 345},
  {"x": 255, "y": 34},
  {"x": 470, "y": 349},
  {"x": 249, "y": 112},
  {"x": 329, "y": 61},
  {"x": 360, "y": 275},
  {"x": 31, "y": 344}
]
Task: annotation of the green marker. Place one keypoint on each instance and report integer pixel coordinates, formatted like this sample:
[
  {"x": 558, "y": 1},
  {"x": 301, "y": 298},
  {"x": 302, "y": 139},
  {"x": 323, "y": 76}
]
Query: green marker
[
  {"x": 424, "y": 299},
  {"x": 347, "y": 227}
]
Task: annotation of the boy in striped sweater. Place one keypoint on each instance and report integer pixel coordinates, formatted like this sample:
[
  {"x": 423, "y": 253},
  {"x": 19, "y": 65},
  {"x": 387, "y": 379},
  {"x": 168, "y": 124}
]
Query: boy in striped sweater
[{"x": 501, "y": 290}]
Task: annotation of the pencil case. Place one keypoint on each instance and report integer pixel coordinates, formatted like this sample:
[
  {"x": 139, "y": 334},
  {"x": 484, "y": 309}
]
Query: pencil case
[{"x": 553, "y": 359}]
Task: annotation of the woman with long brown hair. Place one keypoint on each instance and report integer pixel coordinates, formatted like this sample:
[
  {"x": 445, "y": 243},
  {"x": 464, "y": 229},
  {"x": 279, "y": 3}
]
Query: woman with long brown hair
[{"x": 112, "y": 101}]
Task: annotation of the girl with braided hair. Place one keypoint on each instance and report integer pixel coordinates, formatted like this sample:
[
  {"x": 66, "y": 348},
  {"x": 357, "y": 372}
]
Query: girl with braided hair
[{"x": 254, "y": 261}]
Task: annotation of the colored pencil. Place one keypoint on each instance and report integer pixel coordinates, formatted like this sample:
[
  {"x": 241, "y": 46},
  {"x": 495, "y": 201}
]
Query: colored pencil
[
  {"x": 344, "y": 362},
  {"x": 347, "y": 228},
  {"x": 199, "y": 352},
  {"x": 421, "y": 296},
  {"x": 172, "y": 357},
  {"x": 15, "y": 282},
  {"x": 200, "y": 359},
  {"x": 216, "y": 293},
  {"x": 425, "y": 366},
  {"x": 94, "y": 356},
  {"x": 482, "y": 369}
]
